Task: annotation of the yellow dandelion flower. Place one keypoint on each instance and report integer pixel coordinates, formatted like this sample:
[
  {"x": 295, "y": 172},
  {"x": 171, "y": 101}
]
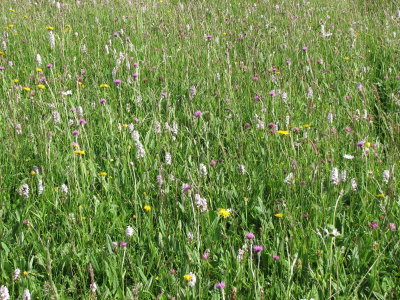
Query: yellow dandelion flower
[
  {"x": 104, "y": 86},
  {"x": 279, "y": 215},
  {"x": 188, "y": 277},
  {"x": 11, "y": 10},
  {"x": 2, "y": 53},
  {"x": 33, "y": 173},
  {"x": 26, "y": 89},
  {"x": 380, "y": 195},
  {"x": 40, "y": 70},
  {"x": 102, "y": 173},
  {"x": 16, "y": 80},
  {"x": 368, "y": 144},
  {"x": 306, "y": 126},
  {"x": 147, "y": 208},
  {"x": 80, "y": 152},
  {"x": 25, "y": 273},
  {"x": 346, "y": 58},
  {"x": 225, "y": 213},
  {"x": 283, "y": 132},
  {"x": 41, "y": 86},
  {"x": 49, "y": 28}
]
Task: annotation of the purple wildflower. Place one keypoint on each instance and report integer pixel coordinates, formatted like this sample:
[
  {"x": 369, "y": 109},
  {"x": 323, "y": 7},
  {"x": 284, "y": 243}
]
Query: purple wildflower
[
  {"x": 250, "y": 236},
  {"x": 373, "y": 225},
  {"x": 186, "y": 187},
  {"x": 360, "y": 144},
  {"x": 272, "y": 125},
  {"x": 206, "y": 254},
  {"x": 220, "y": 285},
  {"x": 258, "y": 248}
]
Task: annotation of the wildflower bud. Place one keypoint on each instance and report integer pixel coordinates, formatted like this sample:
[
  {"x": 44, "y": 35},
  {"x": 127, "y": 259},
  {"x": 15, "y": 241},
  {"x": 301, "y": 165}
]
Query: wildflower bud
[
  {"x": 335, "y": 176},
  {"x": 202, "y": 170},
  {"x": 26, "y": 295},
  {"x": 93, "y": 287},
  {"x": 129, "y": 231},
  {"x": 386, "y": 176},
  {"x": 17, "y": 273}
]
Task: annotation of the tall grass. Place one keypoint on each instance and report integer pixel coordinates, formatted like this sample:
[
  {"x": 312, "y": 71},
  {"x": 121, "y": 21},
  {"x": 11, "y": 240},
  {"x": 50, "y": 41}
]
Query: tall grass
[{"x": 142, "y": 141}]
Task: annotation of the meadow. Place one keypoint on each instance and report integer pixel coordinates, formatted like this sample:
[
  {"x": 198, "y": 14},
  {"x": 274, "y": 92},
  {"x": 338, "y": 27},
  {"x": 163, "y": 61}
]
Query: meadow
[{"x": 199, "y": 149}]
